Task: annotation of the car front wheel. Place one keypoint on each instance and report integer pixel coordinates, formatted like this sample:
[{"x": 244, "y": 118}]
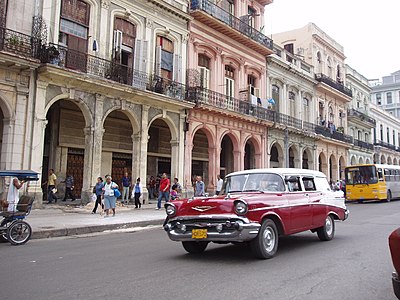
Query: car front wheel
[
  {"x": 194, "y": 247},
  {"x": 265, "y": 245},
  {"x": 327, "y": 232}
]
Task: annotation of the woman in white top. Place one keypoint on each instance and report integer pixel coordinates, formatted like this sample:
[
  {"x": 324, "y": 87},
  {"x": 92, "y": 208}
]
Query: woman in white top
[
  {"x": 13, "y": 194},
  {"x": 110, "y": 199}
]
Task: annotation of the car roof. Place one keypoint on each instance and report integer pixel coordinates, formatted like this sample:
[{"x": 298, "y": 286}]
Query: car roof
[{"x": 281, "y": 171}]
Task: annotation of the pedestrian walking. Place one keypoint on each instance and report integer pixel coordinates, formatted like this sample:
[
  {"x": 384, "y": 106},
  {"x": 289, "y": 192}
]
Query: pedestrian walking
[
  {"x": 219, "y": 185},
  {"x": 164, "y": 190},
  {"x": 126, "y": 184},
  {"x": 199, "y": 187},
  {"x": 109, "y": 196},
  {"x": 98, "y": 190},
  {"x": 69, "y": 186},
  {"x": 51, "y": 187},
  {"x": 13, "y": 194},
  {"x": 137, "y": 192},
  {"x": 152, "y": 187}
]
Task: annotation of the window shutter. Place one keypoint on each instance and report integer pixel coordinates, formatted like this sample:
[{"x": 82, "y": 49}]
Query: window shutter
[
  {"x": 138, "y": 55},
  {"x": 177, "y": 68},
  {"x": 117, "y": 41},
  {"x": 257, "y": 92},
  {"x": 157, "y": 67}
]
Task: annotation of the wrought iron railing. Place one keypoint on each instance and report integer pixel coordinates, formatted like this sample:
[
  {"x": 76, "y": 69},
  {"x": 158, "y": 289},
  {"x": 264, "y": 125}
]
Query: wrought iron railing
[
  {"x": 333, "y": 134},
  {"x": 19, "y": 43},
  {"x": 336, "y": 85},
  {"x": 364, "y": 145},
  {"x": 386, "y": 145},
  {"x": 75, "y": 60},
  {"x": 238, "y": 24},
  {"x": 363, "y": 117}
]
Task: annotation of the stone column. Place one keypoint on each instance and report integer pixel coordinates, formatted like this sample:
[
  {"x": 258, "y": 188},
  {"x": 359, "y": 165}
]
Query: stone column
[
  {"x": 212, "y": 172},
  {"x": 174, "y": 158},
  {"x": 135, "y": 158},
  {"x": 104, "y": 27},
  {"x": 284, "y": 100},
  {"x": 7, "y": 143},
  {"x": 238, "y": 160},
  {"x": 181, "y": 148},
  {"x": 144, "y": 138},
  {"x": 187, "y": 180},
  {"x": 39, "y": 126}
]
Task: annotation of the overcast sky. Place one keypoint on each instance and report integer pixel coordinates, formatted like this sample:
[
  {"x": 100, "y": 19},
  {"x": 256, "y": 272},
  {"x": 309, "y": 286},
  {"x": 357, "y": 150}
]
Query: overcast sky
[{"x": 368, "y": 30}]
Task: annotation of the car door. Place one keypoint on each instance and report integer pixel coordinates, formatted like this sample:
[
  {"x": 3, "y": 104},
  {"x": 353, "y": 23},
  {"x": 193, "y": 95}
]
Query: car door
[
  {"x": 317, "y": 206},
  {"x": 300, "y": 207}
]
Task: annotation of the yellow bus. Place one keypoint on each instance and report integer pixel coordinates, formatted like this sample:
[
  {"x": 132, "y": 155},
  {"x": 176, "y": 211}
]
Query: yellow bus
[{"x": 372, "y": 182}]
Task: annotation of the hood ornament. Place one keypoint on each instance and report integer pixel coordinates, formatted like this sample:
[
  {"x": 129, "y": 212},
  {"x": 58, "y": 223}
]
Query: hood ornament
[{"x": 202, "y": 208}]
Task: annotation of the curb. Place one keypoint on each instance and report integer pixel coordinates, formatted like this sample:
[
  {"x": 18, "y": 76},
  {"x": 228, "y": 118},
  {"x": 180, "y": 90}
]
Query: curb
[{"x": 59, "y": 232}]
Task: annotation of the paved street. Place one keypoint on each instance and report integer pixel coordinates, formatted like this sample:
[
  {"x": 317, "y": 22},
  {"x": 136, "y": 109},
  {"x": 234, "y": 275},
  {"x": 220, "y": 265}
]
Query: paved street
[{"x": 146, "y": 265}]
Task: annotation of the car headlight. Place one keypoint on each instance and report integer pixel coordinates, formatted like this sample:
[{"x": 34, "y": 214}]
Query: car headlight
[
  {"x": 240, "y": 207},
  {"x": 170, "y": 209}
]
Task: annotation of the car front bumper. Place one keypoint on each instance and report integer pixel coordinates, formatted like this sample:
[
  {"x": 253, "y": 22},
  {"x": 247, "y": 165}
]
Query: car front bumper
[
  {"x": 219, "y": 229},
  {"x": 396, "y": 284}
]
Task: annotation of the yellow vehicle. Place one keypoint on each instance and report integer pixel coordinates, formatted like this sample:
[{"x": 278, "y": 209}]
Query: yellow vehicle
[{"x": 372, "y": 182}]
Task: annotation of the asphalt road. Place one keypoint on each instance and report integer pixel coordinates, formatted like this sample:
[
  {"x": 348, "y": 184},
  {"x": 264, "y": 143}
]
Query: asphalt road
[{"x": 147, "y": 265}]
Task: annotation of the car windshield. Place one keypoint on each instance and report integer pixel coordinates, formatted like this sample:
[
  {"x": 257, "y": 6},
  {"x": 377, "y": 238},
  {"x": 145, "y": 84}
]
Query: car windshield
[
  {"x": 361, "y": 175},
  {"x": 253, "y": 183}
]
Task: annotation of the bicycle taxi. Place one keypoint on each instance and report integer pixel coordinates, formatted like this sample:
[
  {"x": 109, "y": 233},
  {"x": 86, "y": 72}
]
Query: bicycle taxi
[{"x": 13, "y": 227}]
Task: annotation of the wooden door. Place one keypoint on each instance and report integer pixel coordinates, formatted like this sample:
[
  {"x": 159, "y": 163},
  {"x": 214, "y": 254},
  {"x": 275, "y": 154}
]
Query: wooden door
[{"x": 75, "y": 163}]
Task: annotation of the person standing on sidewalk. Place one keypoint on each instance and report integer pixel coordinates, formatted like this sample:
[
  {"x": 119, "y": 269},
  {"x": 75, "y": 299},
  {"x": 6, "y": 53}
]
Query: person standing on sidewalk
[
  {"x": 98, "y": 190},
  {"x": 69, "y": 186},
  {"x": 51, "y": 186},
  {"x": 152, "y": 187},
  {"x": 110, "y": 199},
  {"x": 126, "y": 184},
  {"x": 219, "y": 185},
  {"x": 164, "y": 190},
  {"x": 199, "y": 187},
  {"x": 137, "y": 192}
]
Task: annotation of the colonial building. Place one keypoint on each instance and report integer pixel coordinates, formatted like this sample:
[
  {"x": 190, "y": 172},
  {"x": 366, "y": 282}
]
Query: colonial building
[
  {"x": 226, "y": 78},
  {"x": 360, "y": 122},
  {"x": 332, "y": 96},
  {"x": 107, "y": 97},
  {"x": 386, "y": 94}
]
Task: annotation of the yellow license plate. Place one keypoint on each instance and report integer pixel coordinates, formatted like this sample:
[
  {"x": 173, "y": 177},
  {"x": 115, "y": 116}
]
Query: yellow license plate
[{"x": 199, "y": 233}]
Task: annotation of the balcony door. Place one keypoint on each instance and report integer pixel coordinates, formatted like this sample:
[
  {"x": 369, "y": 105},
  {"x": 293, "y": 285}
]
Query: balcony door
[
  {"x": 73, "y": 38},
  {"x": 229, "y": 85},
  {"x": 124, "y": 44}
]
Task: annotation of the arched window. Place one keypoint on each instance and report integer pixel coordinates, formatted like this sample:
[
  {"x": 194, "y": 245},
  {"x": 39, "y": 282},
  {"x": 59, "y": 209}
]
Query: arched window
[
  {"x": 338, "y": 74},
  {"x": 319, "y": 62},
  {"x": 331, "y": 116},
  {"x": 329, "y": 65},
  {"x": 204, "y": 67}
]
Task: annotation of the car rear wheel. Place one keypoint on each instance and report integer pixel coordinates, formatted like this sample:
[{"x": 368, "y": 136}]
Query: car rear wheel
[
  {"x": 327, "y": 232},
  {"x": 265, "y": 245},
  {"x": 194, "y": 247},
  {"x": 389, "y": 196}
]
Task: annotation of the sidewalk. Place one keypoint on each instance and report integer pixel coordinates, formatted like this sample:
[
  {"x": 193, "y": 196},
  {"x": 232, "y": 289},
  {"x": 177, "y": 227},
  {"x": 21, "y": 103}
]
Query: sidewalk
[{"x": 69, "y": 218}]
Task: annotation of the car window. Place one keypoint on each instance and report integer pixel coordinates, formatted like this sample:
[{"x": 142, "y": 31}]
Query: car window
[
  {"x": 321, "y": 184},
  {"x": 309, "y": 184},
  {"x": 294, "y": 185}
]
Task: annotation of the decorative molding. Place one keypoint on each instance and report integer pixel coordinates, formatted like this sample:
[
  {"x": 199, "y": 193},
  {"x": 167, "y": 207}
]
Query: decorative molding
[
  {"x": 105, "y": 4},
  {"x": 149, "y": 23}
]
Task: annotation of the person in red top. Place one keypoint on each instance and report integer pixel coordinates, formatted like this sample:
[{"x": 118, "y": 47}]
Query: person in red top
[{"x": 164, "y": 190}]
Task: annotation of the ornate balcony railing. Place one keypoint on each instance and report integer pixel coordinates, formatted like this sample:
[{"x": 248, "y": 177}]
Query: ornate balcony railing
[
  {"x": 386, "y": 145},
  {"x": 240, "y": 25},
  {"x": 364, "y": 145},
  {"x": 336, "y": 85},
  {"x": 19, "y": 43},
  {"x": 333, "y": 134},
  {"x": 363, "y": 117},
  {"x": 93, "y": 65}
]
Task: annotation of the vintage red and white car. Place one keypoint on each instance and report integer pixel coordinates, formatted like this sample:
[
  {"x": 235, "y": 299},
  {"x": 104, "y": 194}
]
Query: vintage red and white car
[
  {"x": 394, "y": 245},
  {"x": 256, "y": 207}
]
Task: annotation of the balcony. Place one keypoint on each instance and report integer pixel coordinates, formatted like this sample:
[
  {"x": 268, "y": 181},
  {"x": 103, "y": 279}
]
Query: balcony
[
  {"x": 63, "y": 57},
  {"x": 326, "y": 132},
  {"x": 334, "y": 84},
  {"x": 227, "y": 24},
  {"x": 386, "y": 145},
  {"x": 364, "y": 145},
  {"x": 355, "y": 115},
  {"x": 19, "y": 44}
]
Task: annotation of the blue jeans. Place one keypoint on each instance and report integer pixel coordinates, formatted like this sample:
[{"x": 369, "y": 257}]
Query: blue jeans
[{"x": 162, "y": 195}]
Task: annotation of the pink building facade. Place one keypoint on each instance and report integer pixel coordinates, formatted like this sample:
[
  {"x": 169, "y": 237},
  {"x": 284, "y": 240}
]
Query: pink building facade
[{"x": 227, "y": 81}]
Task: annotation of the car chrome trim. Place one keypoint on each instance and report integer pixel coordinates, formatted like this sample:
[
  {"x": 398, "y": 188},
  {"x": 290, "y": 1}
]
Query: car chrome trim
[{"x": 294, "y": 205}]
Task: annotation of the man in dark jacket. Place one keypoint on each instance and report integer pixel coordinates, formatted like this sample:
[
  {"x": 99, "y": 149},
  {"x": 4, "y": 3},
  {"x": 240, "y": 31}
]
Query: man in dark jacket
[{"x": 69, "y": 186}]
